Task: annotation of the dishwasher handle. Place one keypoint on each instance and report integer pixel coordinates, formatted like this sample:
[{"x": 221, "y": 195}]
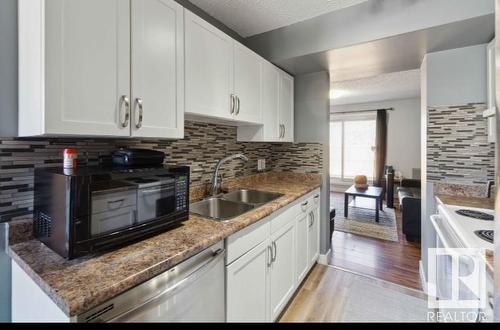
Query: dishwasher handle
[{"x": 188, "y": 279}]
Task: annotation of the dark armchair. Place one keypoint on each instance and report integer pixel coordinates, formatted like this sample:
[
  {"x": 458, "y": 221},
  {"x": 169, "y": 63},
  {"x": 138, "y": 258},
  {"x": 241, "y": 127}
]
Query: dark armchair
[{"x": 410, "y": 205}]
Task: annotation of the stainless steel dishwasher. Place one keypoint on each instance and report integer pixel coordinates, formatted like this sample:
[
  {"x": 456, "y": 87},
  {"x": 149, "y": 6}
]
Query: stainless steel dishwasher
[{"x": 193, "y": 291}]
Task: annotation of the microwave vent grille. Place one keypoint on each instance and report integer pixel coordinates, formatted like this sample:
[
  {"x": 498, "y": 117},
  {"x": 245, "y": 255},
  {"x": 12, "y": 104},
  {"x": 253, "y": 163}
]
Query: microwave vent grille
[{"x": 42, "y": 225}]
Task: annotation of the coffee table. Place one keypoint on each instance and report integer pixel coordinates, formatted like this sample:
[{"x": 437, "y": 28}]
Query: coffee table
[{"x": 371, "y": 192}]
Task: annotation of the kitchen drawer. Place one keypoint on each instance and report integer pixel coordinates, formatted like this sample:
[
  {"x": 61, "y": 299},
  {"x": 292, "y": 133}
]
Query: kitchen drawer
[
  {"x": 246, "y": 239},
  {"x": 105, "y": 202},
  {"x": 112, "y": 220}
]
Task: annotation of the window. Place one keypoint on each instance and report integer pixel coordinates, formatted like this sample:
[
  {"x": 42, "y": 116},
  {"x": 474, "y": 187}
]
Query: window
[{"x": 352, "y": 143}]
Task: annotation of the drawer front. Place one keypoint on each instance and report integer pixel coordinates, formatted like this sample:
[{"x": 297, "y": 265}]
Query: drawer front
[
  {"x": 113, "y": 201},
  {"x": 246, "y": 239},
  {"x": 281, "y": 219},
  {"x": 112, "y": 220}
]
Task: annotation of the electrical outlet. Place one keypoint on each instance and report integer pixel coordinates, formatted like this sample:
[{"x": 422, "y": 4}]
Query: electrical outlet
[{"x": 261, "y": 164}]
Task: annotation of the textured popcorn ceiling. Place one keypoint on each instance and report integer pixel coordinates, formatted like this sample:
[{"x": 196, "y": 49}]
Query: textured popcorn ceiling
[
  {"x": 390, "y": 86},
  {"x": 250, "y": 17}
]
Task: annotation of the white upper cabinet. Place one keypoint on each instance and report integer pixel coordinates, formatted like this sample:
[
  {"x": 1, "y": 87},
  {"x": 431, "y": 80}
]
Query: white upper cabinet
[
  {"x": 157, "y": 69},
  {"x": 286, "y": 107},
  {"x": 223, "y": 77},
  {"x": 247, "y": 84},
  {"x": 75, "y": 63},
  {"x": 270, "y": 102},
  {"x": 209, "y": 69},
  {"x": 277, "y": 109}
]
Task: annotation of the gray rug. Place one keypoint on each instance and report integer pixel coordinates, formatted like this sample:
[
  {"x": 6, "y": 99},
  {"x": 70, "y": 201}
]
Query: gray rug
[
  {"x": 361, "y": 219},
  {"x": 381, "y": 304}
]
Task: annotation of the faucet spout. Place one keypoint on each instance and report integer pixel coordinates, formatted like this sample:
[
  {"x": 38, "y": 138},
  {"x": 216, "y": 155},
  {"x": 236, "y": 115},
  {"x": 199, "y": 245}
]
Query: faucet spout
[{"x": 215, "y": 176}]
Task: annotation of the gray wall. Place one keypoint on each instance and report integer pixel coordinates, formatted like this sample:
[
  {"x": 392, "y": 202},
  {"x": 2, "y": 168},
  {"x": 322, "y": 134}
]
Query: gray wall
[
  {"x": 369, "y": 21},
  {"x": 457, "y": 76},
  {"x": 403, "y": 131},
  {"x": 452, "y": 77},
  {"x": 8, "y": 67},
  {"x": 312, "y": 118}
]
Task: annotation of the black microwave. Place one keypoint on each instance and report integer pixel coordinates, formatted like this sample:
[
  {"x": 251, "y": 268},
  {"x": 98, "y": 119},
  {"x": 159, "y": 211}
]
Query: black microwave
[{"x": 91, "y": 209}]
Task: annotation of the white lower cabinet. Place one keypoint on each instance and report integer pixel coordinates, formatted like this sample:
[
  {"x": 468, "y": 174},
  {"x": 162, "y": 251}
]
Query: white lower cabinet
[
  {"x": 302, "y": 234},
  {"x": 282, "y": 268},
  {"x": 267, "y": 261},
  {"x": 247, "y": 286},
  {"x": 313, "y": 232}
]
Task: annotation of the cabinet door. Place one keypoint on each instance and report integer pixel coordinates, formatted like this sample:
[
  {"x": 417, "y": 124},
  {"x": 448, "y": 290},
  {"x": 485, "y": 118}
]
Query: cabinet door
[
  {"x": 157, "y": 69},
  {"x": 302, "y": 255},
  {"x": 87, "y": 73},
  {"x": 286, "y": 112},
  {"x": 247, "y": 290},
  {"x": 313, "y": 236},
  {"x": 209, "y": 69},
  {"x": 270, "y": 104},
  {"x": 282, "y": 273},
  {"x": 247, "y": 84}
]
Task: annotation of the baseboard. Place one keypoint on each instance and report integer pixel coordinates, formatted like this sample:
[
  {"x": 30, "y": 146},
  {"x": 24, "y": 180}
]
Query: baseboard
[
  {"x": 323, "y": 258},
  {"x": 423, "y": 280}
]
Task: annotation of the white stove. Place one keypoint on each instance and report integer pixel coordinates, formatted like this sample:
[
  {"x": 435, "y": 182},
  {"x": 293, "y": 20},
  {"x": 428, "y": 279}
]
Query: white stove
[{"x": 471, "y": 226}]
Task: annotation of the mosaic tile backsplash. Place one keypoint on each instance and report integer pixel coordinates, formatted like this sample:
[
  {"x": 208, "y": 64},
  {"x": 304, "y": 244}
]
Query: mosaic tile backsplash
[
  {"x": 458, "y": 150},
  {"x": 203, "y": 145}
]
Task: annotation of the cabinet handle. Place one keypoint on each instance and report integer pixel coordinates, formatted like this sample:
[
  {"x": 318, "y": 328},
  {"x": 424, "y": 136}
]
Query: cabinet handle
[
  {"x": 284, "y": 131},
  {"x": 139, "y": 104},
  {"x": 275, "y": 251},
  {"x": 237, "y": 105},
  {"x": 231, "y": 104},
  {"x": 281, "y": 131},
  {"x": 124, "y": 100},
  {"x": 305, "y": 203},
  {"x": 270, "y": 256}
]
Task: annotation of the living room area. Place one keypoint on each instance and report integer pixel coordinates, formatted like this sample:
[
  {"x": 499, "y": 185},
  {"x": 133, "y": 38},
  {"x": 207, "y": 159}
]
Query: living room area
[{"x": 375, "y": 159}]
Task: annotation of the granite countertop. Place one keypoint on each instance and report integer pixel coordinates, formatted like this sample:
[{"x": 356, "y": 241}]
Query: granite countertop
[
  {"x": 81, "y": 284},
  {"x": 483, "y": 203}
]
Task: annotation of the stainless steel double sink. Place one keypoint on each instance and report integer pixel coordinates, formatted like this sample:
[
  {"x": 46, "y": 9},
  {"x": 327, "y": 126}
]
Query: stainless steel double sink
[{"x": 232, "y": 204}]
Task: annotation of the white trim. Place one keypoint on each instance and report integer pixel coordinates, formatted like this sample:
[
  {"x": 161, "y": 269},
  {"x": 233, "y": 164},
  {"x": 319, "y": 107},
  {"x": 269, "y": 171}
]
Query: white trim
[
  {"x": 323, "y": 258},
  {"x": 423, "y": 281}
]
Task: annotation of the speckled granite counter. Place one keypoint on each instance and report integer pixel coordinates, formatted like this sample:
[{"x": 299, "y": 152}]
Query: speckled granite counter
[
  {"x": 80, "y": 284},
  {"x": 484, "y": 203}
]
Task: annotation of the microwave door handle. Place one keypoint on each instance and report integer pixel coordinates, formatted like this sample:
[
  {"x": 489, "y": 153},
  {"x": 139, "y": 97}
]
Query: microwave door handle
[
  {"x": 153, "y": 191},
  {"x": 116, "y": 204}
]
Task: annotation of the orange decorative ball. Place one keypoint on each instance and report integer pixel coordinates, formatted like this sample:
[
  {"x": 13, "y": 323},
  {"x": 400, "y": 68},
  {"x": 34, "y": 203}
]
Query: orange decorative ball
[{"x": 360, "y": 182}]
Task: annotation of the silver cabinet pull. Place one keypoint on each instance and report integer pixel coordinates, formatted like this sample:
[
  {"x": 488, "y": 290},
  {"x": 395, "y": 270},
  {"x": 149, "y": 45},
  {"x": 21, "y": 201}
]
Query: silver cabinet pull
[
  {"x": 139, "y": 103},
  {"x": 281, "y": 131},
  {"x": 311, "y": 218},
  {"x": 124, "y": 100},
  {"x": 237, "y": 105},
  {"x": 270, "y": 256},
  {"x": 275, "y": 251},
  {"x": 284, "y": 131},
  {"x": 305, "y": 203},
  {"x": 231, "y": 104}
]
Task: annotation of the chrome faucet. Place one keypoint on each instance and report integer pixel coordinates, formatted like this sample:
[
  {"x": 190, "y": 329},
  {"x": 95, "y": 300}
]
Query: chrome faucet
[{"x": 215, "y": 176}]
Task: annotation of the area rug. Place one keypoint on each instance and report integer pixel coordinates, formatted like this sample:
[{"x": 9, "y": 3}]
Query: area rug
[{"x": 361, "y": 219}]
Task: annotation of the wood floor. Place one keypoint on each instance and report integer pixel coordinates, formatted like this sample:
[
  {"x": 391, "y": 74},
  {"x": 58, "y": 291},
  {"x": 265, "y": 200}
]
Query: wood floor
[{"x": 396, "y": 262}]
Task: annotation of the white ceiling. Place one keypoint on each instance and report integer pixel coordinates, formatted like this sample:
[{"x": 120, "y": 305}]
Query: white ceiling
[
  {"x": 250, "y": 17},
  {"x": 390, "y": 86}
]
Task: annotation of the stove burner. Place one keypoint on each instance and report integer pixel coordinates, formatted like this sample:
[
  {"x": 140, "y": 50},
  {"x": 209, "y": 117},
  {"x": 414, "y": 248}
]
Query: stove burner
[
  {"x": 487, "y": 235},
  {"x": 476, "y": 214}
]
